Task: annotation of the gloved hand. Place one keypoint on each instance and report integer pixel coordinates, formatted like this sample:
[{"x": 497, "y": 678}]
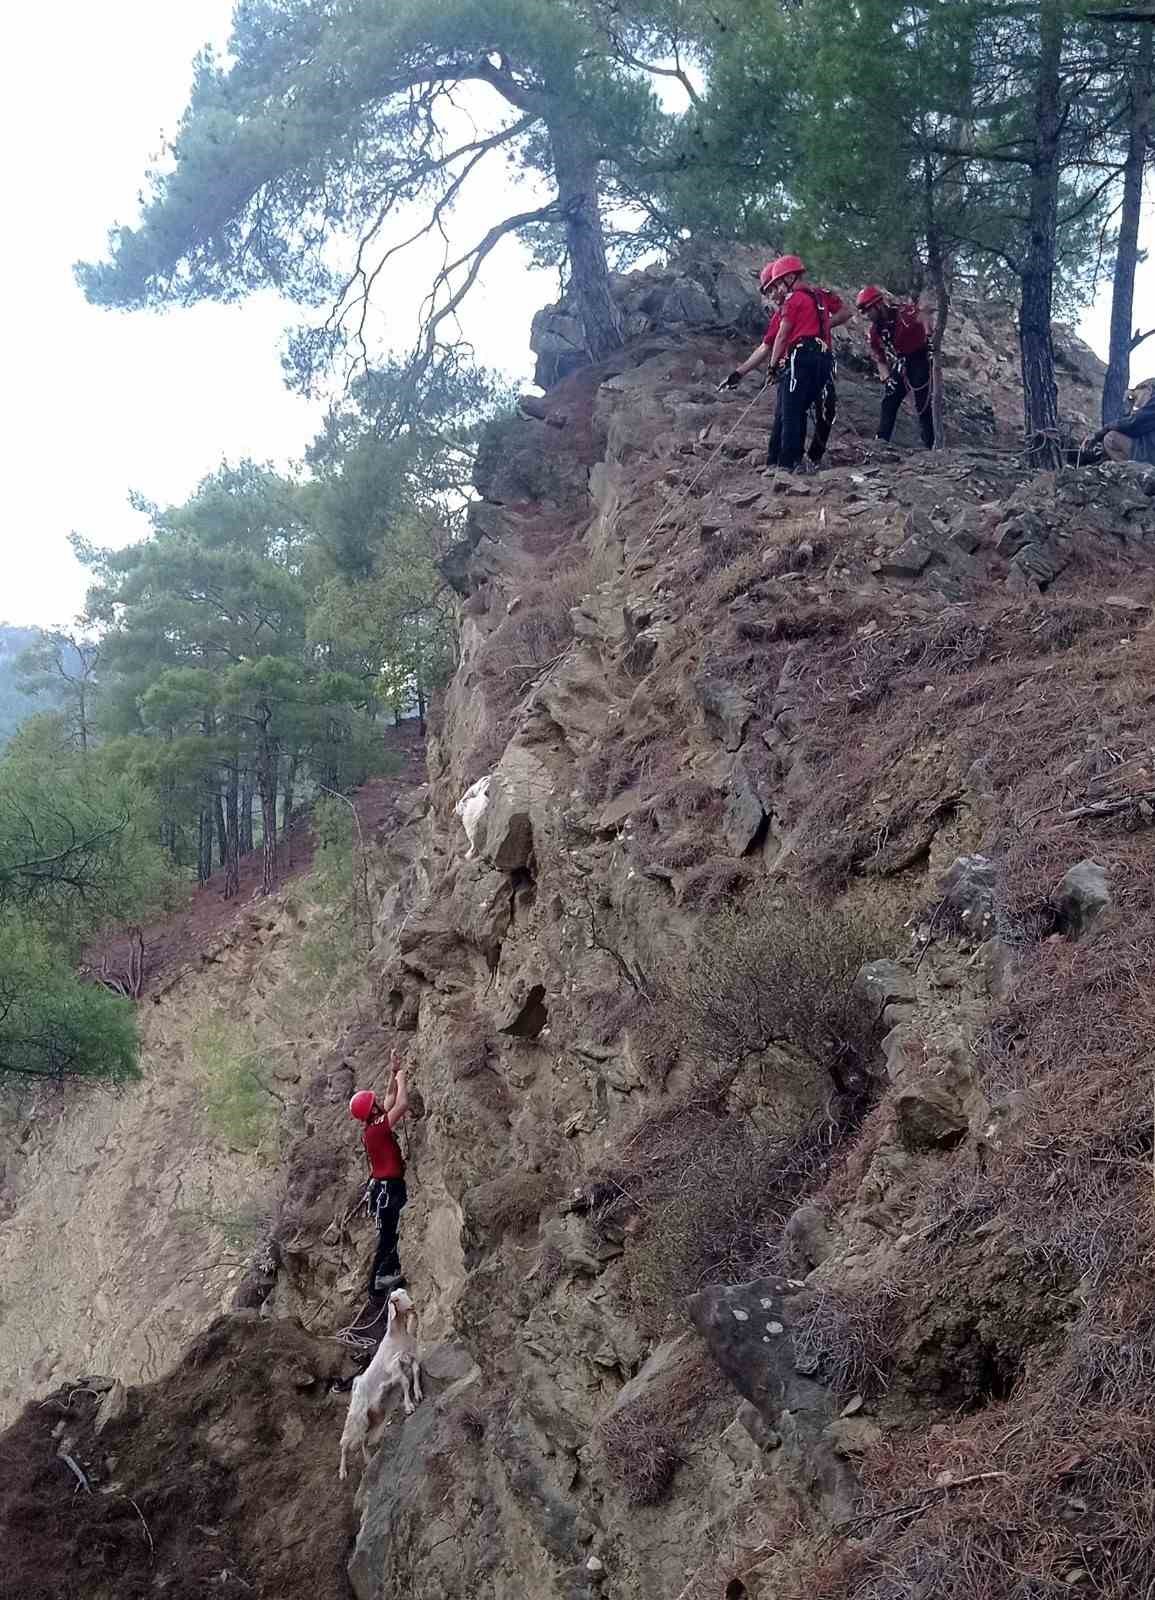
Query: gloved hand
[{"x": 731, "y": 381}]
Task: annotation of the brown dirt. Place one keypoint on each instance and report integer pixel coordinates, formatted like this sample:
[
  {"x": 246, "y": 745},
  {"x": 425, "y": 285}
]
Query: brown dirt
[
  {"x": 197, "y": 1489},
  {"x": 171, "y": 942}
]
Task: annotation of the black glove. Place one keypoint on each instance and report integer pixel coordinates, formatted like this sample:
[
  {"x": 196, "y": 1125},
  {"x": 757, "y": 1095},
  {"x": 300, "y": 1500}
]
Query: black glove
[{"x": 732, "y": 381}]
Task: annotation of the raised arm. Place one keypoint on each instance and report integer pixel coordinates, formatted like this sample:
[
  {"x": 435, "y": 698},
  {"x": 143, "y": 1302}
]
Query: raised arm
[{"x": 397, "y": 1099}]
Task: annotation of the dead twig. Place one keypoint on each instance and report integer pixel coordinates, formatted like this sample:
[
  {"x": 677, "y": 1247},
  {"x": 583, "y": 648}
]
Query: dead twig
[
  {"x": 923, "y": 1503},
  {"x": 72, "y": 1466}
]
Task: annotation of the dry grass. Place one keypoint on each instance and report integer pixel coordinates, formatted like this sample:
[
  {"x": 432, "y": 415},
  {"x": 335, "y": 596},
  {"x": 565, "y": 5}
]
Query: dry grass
[
  {"x": 1065, "y": 1508},
  {"x": 779, "y": 971},
  {"x": 701, "y": 1195},
  {"x": 645, "y": 1442}
]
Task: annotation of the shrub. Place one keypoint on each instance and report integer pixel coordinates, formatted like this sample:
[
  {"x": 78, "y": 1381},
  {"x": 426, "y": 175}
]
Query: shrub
[
  {"x": 701, "y": 1196},
  {"x": 240, "y": 1103},
  {"x": 644, "y": 1442},
  {"x": 779, "y": 971}
]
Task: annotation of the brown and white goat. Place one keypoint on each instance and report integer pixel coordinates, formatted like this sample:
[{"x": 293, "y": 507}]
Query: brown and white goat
[{"x": 395, "y": 1362}]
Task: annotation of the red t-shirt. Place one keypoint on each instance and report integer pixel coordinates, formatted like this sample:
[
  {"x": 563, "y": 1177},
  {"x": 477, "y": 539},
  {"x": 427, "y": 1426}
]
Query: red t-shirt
[
  {"x": 383, "y": 1150},
  {"x": 810, "y": 311},
  {"x": 901, "y": 335}
]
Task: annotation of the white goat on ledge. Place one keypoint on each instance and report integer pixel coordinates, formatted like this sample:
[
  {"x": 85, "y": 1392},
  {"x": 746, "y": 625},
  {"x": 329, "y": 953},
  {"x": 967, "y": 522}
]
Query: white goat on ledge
[{"x": 395, "y": 1362}]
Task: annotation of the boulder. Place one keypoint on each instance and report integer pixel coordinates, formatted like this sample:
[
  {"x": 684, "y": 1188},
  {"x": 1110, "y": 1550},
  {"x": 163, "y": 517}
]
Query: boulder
[
  {"x": 884, "y": 983},
  {"x": 1082, "y": 898},
  {"x": 968, "y": 890},
  {"x": 808, "y": 1238},
  {"x": 726, "y": 710},
  {"x": 929, "y": 1116}
]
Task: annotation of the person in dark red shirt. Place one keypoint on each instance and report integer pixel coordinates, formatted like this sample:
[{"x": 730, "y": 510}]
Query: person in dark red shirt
[
  {"x": 899, "y": 341},
  {"x": 386, "y": 1194},
  {"x": 810, "y": 314}
]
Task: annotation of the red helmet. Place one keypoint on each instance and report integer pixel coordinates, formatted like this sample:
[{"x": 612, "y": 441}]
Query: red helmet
[
  {"x": 782, "y": 268},
  {"x": 870, "y": 296},
  {"x": 361, "y": 1105}
]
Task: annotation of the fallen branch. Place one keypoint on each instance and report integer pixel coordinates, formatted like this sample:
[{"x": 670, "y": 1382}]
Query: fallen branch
[
  {"x": 929, "y": 1498},
  {"x": 1107, "y": 808},
  {"x": 80, "y": 1478}
]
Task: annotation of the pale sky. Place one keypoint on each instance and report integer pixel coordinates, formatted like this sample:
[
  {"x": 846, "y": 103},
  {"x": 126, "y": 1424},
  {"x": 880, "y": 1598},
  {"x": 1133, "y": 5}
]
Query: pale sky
[{"x": 95, "y": 402}]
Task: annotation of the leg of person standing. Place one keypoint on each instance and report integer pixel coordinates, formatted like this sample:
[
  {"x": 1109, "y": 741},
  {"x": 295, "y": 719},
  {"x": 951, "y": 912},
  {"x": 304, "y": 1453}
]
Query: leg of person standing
[
  {"x": 387, "y": 1197},
  {"x": 892, "y": 397},
  {"x": 802, "y": 384},
  {"x": 918, "y": 379},
  {"x": 825, "y": 413}
]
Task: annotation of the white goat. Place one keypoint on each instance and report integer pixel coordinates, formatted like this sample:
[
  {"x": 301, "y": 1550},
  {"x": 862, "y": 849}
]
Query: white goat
[
  {"x": 471, "y": 809},
  {"x": 395, "y": 1362}
]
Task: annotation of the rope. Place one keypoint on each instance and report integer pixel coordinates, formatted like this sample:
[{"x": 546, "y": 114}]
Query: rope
[{"x": 683, "y": 493}]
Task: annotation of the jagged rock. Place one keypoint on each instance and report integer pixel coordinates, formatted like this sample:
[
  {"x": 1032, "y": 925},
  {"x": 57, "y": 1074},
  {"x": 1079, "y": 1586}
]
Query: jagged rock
[
  {"x": 526, "y": 1017},
  {"x": 930, "y": 1116},
  {"x": 726, "y": 710},
  {"x": 968, "y": 890},
  {"x": 743, "y": 815},
  {"x": 519, "y": 787},
  {"x": 112, "y": 1407},
  {"x": 885, "y": 983},
  {"x": 1082, "y": 897},
  {"x": 853, "y": 1436},
  {"x": 808, "y": 1237}
]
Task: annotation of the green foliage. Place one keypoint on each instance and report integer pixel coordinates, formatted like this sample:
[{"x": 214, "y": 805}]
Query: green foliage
[
  {"x": 235, "y": 1068},
  {"x": 18, "y": 701},
  {"x": 77, "y": 851},
  {"x": 77, "y": 843},
  {"x": 52, "y": 1025}
]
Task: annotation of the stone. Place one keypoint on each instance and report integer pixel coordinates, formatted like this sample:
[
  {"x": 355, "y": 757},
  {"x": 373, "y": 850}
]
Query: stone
[
  {"x": 1082, "y": 898},
  {"x": 808, "y": 1238},
  {"x": 883, "y": 983},
  {"x": 520, "y": 785},
  {"x": 743, "y": 815},
  {"x": 853, "y": 1436},
  {"x": 968, "y": 889},
  {"x": 929, "y": 1117},
  {"x": 910, "y": 560},
  {"x": 726, "y": 710},
  {"x": 112, "y": 1407}
]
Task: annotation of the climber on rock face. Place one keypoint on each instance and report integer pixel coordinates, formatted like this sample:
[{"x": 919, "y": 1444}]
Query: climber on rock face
[
  {"x": 386, "y": 1194},
  {"x": 1132, "y": 438},
  {"x": 797, "y": 345},
  {"x": 899, "y": 340}
]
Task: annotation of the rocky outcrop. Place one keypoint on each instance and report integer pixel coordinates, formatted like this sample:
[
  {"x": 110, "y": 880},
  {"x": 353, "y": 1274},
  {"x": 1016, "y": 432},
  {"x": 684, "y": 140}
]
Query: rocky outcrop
[{"x": 764, "y": 1157}]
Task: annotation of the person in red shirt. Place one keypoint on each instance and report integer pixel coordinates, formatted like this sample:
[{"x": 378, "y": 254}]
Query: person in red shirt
[
  {"x": 386, "y": 1194},
  {"x": 797, "y": 345},
  {"x": 899, "y": 341}
]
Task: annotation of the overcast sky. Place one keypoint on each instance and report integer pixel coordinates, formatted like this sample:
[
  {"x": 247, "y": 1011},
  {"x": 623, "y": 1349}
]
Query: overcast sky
[{"x": 97, "y": 402}]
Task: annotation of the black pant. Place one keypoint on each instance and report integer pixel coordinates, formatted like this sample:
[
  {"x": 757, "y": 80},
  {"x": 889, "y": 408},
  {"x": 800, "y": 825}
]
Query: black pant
[
  {"x": 912, "y": 377},
  {"x": 824, "y": 414},
  {"x": 809, "y": 373},
  {"x": 387, "y": 1196}
]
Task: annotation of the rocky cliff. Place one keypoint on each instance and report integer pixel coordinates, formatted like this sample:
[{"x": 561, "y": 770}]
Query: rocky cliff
[{"x": 780, "y": 1169}]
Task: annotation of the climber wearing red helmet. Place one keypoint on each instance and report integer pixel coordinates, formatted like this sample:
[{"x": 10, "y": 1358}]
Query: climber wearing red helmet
[
  {"x": 386, "y": 1194},
  {"x": 899, "y": 341},
  {"x": 799, "y": 332}
]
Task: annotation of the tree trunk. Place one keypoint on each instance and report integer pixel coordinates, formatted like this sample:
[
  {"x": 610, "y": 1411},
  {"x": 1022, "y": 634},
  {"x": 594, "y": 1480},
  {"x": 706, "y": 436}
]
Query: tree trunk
[
  {"x": 233, "y": 822},
  {"x": 222, "y": 828},
  {"x": 268, "y": 764},
  {"x": 576, "y": 170},
  {"x": 288, "y": 798},
  {"x": 1127, "y": 255},
  {"x": 936, "y": 267},
  {"x": 1037, "y": 270},
  {"x": 247, "y": 816},
  {"x": 205, "y": 844}
]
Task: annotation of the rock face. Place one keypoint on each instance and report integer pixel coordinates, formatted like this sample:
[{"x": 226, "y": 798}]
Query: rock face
[{"x": 761, "y": 1158}]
